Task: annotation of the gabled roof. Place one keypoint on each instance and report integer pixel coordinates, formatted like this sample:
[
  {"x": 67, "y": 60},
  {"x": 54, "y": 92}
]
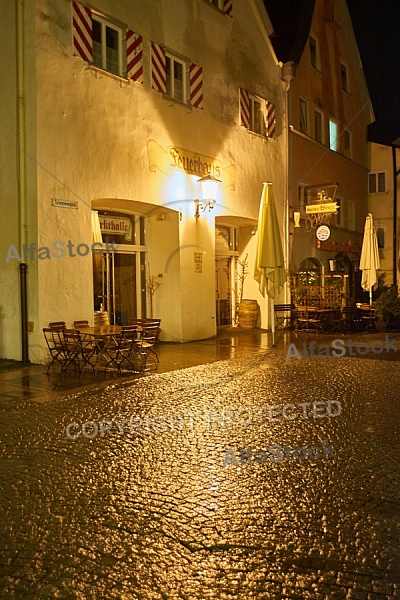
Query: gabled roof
[{"x": 291, "y": 20}]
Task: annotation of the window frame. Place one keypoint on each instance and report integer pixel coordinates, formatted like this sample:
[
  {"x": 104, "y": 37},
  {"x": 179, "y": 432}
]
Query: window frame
[
  {"x": 303, "y": 102},
  {"x": 314, "y": 63},
  {"x": 253, "y": 99},
  {"x": 334, "y": 146},
  {"x": 217, "y": 3},
  {"x": 121, "y": 32},
  {"x": 170, "y": 93},
  {"x": 376, "y": 174},
  {"x": 344, "y": 81},
  {"x": 347, "y": 152},
  {"x": 318, "y": 111}
]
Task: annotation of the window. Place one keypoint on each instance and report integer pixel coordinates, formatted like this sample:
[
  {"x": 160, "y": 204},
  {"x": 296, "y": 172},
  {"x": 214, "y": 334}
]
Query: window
[
  {"x": 377, "y": 182},
  {"x": 344, "y": 77},
  {"x": 107, "y": 44},
  {"x": 318, "y": 126},
  {"x": 333, "y": 135},
  {"x": 303, "y": 116},
  {"x": 380, "y": 234},
  {"x": 351, "y": 215},
  {"x": 176, "y": 78},
  {"x": 314, "y": 53},
  {"x": 257, "y": 120},
  {"x": 347, "y": 143}
]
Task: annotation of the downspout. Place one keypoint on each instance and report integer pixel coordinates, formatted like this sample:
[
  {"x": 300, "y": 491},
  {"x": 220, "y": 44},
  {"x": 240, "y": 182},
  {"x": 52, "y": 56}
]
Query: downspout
[
  {"x": 23, "y": 267},
  {"x": 288, "y": 72},
  {"x": 395, "y": 174}
]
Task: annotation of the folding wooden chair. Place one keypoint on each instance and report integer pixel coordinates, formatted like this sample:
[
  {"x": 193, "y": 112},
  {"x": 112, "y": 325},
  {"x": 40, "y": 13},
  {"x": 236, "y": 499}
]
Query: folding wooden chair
[
  {"x": 79, "y": 324},
  {"x": 55, "y": 344},
  {"x": 57, "y": 325}
]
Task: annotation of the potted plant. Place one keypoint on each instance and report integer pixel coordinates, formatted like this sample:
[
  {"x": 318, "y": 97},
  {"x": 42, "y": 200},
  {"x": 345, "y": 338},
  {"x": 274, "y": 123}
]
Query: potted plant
[{"x": 387, "y": 309}]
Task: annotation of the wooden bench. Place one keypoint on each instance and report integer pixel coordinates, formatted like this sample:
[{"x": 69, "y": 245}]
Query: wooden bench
[{"x": 284, "y": 315}]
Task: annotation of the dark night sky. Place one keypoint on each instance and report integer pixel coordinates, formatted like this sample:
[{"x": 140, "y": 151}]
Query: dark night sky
[{"x": 377, "y": 27}]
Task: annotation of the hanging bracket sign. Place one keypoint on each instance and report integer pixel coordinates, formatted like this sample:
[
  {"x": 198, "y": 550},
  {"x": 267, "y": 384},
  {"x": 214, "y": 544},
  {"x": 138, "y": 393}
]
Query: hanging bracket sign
[{"x": 330, "y": 207}]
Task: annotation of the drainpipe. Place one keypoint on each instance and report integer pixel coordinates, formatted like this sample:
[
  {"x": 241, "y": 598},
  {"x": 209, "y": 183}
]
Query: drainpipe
[
  {"x": 23, "y": 267},
  {"x": 288, "y": 72},
  {"x": 395, "y": 174}
]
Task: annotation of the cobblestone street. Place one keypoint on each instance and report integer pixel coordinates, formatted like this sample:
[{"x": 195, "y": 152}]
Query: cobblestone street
[{"x": 168, "y": 488}]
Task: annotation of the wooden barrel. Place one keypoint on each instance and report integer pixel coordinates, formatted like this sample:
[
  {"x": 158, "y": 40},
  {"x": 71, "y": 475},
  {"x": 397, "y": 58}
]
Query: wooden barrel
[
  {"x": 101, "y": 317},
  {"x": 248, "y": 314}
]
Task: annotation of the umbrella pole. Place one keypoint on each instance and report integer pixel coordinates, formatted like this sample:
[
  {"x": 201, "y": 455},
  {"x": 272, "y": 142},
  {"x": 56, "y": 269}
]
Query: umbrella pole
[
  {"x": 273, "y": 322},
  {"x": 370, "y": 298}
]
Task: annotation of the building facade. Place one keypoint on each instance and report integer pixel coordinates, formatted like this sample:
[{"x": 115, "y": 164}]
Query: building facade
[
  {"x": 111, "y": 113},
  {"x": 329, "y": 111},
  {"x": 384, "y": 163}
]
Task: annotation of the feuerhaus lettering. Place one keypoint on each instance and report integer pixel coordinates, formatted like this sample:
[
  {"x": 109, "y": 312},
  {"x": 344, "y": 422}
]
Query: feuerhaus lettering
[{"x": 194, "y": 163}]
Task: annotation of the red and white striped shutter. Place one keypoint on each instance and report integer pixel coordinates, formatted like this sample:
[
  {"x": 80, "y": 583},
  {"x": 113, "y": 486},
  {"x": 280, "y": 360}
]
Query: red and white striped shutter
[
  {"x": 158, "y": 68},
  {"x": 134, "y": 56},
  {"x": 270, "y": 115},
  {"x": 196, "y": 86},
  {"x": 228, "y": 6},
  {"x": 82, "y": 28},
  {"x": 244, "y": 108}
]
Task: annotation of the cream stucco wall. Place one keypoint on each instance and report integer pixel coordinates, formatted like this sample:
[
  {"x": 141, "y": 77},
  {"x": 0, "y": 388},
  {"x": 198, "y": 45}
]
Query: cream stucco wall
[{"x": 90, "y": 133}]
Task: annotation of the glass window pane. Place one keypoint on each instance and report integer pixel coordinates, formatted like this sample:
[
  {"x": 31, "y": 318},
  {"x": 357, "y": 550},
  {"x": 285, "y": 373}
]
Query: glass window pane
[
  {"x": 178, "y": 81},
  {"x": 333, "y": 136},
  {"x": 112, "y": 54},
  {"x": 381, "y": 182},
  {"x": 372, "y": 183},
  {"x": 97, "y": 58},
  {"x": 303, "y": 116},
  {"x": 318, "y": 126}
]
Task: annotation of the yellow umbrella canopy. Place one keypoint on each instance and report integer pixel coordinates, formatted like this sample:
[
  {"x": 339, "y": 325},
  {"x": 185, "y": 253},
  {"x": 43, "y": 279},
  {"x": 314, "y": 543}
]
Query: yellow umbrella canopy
[
  {"x": 269, "y": 266},
  {"x": 369, "y": 261}
]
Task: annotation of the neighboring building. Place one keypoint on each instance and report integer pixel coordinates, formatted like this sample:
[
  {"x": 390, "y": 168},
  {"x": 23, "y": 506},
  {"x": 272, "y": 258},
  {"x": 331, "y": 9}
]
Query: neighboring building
[
  {"x": 329, "y": 111},
  {"x": 120, "y": 107},
  {"x": 381, "y": 202}
]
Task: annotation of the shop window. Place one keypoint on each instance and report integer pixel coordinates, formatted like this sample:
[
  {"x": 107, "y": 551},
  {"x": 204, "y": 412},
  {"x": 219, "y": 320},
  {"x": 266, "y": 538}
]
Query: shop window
[
  {"x": 377, "y": 182},
  {"x": 310, "y": 272},
  {"x": 333, "y": 135}
]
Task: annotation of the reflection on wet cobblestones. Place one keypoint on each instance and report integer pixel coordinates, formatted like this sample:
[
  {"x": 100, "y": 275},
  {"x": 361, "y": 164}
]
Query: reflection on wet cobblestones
[{"x": 148, "y": 515}]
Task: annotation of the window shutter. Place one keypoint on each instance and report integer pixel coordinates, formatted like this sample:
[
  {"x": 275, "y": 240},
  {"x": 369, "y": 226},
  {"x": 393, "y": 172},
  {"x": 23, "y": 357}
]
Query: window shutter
[
  {"x": 244, "y": 108},
  {"x": 381, "y": 181},
  {"x": 158, "y": 68},
  {"x": 372, "y": 183},
  {"x": 82, "y": 30},
  {"x": 227, "y": 8},
  {"x": 134, "y": 56},
  {"x": 196, "y": 86},
  {"x": 270, "y": 119}
]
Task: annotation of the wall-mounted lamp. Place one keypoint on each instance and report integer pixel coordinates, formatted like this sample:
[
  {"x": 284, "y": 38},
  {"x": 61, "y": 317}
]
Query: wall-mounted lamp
[
  {"x": 332, "y": 265},
  {"x": 209, "y": 187},
  {"x": 296, "y": 217}
]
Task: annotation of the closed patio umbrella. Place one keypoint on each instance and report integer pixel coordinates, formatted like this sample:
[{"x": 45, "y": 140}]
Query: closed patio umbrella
[
  {"x": 269, "y": 267},
  {"x": 369, "y": 261}
]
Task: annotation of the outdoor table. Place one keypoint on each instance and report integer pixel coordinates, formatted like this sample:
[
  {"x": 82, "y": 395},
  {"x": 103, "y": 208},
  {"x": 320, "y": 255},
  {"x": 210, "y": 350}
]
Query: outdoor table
[{"x": 104, "y": 336}]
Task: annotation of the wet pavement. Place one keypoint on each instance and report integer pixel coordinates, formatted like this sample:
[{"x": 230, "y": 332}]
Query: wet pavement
[{"x": 250, "y": 476}]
